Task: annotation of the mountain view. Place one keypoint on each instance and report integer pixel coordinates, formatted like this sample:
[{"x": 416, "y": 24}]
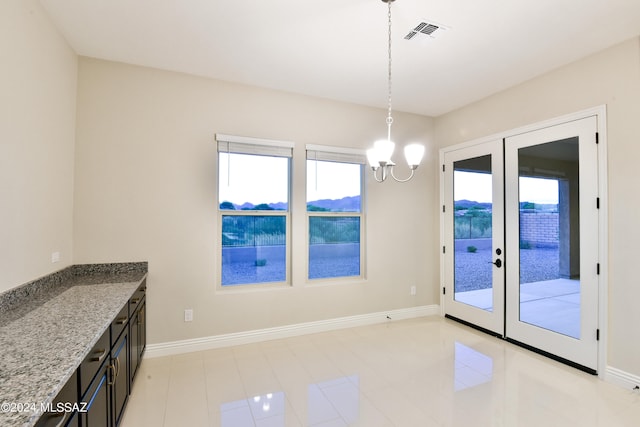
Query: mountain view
[
  {"x": 461, "y": 205},
  {"x": 468, "y": 204},
  {"x": 346, "y": 204}
]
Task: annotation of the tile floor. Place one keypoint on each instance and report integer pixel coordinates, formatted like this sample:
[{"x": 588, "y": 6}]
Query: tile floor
[{"x": 420, "y": 372}]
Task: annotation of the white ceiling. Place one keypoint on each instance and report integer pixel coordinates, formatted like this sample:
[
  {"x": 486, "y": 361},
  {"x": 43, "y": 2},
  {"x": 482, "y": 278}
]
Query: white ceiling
[{"x": 337, "y": 49}]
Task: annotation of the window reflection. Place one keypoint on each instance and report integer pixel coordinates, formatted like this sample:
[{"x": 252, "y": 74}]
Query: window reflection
[
  {"x": 471, "y": 368},
  {"x": 335, "y": 400},
  {"x": 247, "y": 412}
]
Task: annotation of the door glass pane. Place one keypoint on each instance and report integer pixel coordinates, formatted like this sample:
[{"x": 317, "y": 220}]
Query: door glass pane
[
  {"x": 473, "y": 243},
  {"x": 549, "y": 218}
]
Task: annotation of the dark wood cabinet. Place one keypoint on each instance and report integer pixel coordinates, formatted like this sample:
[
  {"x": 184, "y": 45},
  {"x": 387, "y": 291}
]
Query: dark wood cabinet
[
  {"x": 137, "y": 329},
  {"x": 101, "y": 385},
  {"x": 120, "y": 376}
]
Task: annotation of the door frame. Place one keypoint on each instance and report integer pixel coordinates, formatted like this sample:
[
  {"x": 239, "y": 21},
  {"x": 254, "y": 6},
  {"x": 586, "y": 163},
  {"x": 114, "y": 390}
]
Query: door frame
[{"x": 600, "y": 112}]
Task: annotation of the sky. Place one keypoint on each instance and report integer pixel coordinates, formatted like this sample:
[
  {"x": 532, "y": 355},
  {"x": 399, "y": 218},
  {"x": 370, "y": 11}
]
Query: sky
[
  {"x": 266, "y": 182},
  {"x": 330, "y": 180},
  {"x": 263, "y": 179},
  {"x": 254, "y": 179},
  {"x": 477, "y": 187}
]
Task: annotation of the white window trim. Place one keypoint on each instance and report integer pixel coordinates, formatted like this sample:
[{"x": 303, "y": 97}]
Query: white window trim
[
  {"x": 254, "y": 146},
  {"x": 247, "y": 145},
  {"x": 336, "y": 154}
]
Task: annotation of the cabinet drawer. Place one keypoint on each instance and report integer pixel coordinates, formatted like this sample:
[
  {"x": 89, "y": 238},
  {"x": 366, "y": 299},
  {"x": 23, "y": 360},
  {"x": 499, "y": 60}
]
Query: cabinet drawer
[
  {"x": 119, "y": 324},
  {"x": 137, "y": 298},
  {"x": 59, "y": 415},
  {"x": 90, "y": 365}
]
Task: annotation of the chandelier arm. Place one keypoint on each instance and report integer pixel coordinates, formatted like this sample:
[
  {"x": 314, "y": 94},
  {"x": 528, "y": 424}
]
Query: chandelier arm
[
  {"x": 375, "y": 174},
  {"x": 402, "y": 180}
]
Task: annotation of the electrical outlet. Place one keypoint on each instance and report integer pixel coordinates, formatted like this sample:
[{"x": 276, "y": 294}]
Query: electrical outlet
[
  {"x": 55, "y": 257},
  {"x": 188, "y": 315},
  {"x": 413, "y": 290}
]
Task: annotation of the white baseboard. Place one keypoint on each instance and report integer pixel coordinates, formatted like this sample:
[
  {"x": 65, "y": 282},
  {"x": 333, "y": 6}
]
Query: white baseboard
[
  {"x": 238, "y": 338},
  {"x": 622, "y": 378}
]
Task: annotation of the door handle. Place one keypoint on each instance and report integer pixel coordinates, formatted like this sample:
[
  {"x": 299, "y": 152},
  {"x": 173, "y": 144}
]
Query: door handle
[{"x": 497, "y": 263}]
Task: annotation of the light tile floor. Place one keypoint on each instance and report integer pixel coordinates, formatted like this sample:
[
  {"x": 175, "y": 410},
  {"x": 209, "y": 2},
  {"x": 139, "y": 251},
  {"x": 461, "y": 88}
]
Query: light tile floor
[{"x": 420, "y": 372}]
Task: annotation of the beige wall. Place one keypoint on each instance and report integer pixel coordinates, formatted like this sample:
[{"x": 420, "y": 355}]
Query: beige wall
[
  {"x": 37, "y": 133},
  {"x": 146, "y": 185},
  {"x": 611, "y": 77}
]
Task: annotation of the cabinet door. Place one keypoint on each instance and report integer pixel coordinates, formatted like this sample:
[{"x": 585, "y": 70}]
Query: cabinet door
[
  {"x": 98, "y": 409},
  {"x": 138, "y": 336},
  {"x": 120, "y": 388},
  {"x": 135, "y": 352},
  {"x": 142, "y": 328}
]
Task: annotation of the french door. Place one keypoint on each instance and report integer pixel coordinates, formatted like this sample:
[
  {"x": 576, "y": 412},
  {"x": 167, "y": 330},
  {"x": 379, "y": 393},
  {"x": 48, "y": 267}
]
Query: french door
[
  {"x": 474, "y": 235},
  {"x": 520, "y": 238}
]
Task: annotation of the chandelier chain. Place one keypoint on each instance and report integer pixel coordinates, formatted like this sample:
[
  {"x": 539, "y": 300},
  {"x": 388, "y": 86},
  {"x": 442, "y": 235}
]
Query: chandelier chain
[
  {"x": 380, "y": 155},
  {"x": 389, "y": 118}
]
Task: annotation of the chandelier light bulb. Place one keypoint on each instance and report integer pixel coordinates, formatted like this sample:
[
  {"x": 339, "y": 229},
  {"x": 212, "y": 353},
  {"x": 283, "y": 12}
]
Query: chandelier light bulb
[
  {"x": 372, "y": 158},
  {"x": 414, "y": 153},
  {"x": 384, "y": 149}
]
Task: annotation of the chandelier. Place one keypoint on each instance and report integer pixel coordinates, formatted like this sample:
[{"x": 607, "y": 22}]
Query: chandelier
[{"x": 379, "y": 156}]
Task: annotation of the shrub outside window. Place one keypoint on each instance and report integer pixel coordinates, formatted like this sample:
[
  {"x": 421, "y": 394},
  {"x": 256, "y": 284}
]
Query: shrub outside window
[
  {"x": 334, "y": 211},
  {"x": 253, "y": 201}
]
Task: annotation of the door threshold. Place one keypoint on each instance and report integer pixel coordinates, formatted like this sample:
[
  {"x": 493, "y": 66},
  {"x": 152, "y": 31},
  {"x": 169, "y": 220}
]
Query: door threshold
[
  {"x": 471, "y": 325},
  {"x": 553, "y": 356}
]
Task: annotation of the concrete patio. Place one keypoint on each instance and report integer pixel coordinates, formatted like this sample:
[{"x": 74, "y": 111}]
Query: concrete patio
[{"x": 550, "y": 304}]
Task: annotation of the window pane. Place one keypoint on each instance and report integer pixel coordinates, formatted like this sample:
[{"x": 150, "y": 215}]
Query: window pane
[
  {"x": 253, "y": 249},
  {"x": 334, "y": 246},
  {"x": 473, "y": 231},
  {"x": 248, "y": 182},
  {"x": 333, "y": 186}
]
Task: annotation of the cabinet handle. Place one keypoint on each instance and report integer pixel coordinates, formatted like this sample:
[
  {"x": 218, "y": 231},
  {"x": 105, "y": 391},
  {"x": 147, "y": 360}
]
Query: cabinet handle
[
  {"x": 102, "y": 353},
  {"x": 117, "y": 367},
  {"x": 111, "y": 379},
  {"x": 63, "y": 420},
  {"x": 121, "y": 320},
  {"x": 135, "y": 300},
  {"x": 62, "y": 415}
]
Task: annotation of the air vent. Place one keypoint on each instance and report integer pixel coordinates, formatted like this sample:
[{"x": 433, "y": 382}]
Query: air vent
[{"x": 425, "y": 28}]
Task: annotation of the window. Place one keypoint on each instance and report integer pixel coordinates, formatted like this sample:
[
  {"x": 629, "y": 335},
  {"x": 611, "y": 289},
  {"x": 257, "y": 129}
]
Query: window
[
  {"x": 334, "y": 211},
  {"x": 253, "y": 200}
]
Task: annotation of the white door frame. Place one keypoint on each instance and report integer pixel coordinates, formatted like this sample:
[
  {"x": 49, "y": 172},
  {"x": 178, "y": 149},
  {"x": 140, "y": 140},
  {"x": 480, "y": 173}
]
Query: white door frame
[{"x": 600, "y": 112}]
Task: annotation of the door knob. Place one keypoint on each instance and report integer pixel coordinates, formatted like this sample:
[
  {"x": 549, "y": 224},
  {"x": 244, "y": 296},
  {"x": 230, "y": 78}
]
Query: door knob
[{"x": 497, "y": 263}]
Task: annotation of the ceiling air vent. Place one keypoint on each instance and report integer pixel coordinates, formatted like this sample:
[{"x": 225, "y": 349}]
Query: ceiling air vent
[{"x": 425, "y": 28}]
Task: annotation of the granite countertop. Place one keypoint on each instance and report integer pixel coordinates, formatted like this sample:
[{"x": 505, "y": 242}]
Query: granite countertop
[{"x": 46, "y": 331}]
